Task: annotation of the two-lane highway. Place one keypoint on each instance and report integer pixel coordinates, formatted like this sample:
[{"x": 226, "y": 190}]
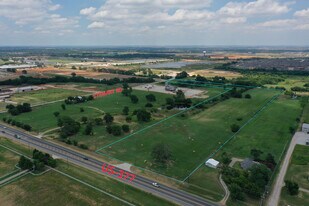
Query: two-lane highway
[{"x": 177, "y": 196}]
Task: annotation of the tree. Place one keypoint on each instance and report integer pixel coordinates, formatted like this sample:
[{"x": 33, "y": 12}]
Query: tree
[
  {"x": 73, "y": 74},
  {"x": 236, "y": 192},
  {"x": 84, "y": 120},
  {"x": 108, "y": 118},
  {"x": 125, "y": 128},
  {"x": 125, "y": 110},
  {"x": 126, "y": 89},
  {"x": 259, "y": 175},
  {"x": 292, "y": 187},
  {"x": 56, "y": 114},
  {"x": 38, "y": 165},
  {"x": 182, "y": 75},
  {"x": 63, "y": 106},
  {"x": 68, "y": 126},
  {"x": 98, "y": 121},
  {"x": 24, "y": 72},
  {"x": 234, "y": 128},
  {"x": 116, "y": 130},
  {"x": 151, "y": 98},
  {"x": 134, "y": 99},
  {"x": 148, "y": 105},
  {"x": 89, "y": 129},
  {"x": 248, "y": 96},
  {"x": 143, "y": 116},
  {"x": 25, "y": 163},
  {"x": 225, "y": 158},
  {"x": 81, "y": 109},
  {"x": 26, "y": 127},
  {"x": 270, "y": 161},
  {"x": 161, "y": 153},
  {"x": 255, "y": 153}
]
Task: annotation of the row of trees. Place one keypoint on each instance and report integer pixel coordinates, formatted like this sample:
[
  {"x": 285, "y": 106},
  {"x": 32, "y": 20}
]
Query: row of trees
[
  {"x": 12, "y": 122},
  {"x": 39, "y": 161},
  {"x": 78, "y": 99},
  {"x": 20, "y": 108},
  {"x": 179, "y": 101},
  {"x": 28, "y": 80}
]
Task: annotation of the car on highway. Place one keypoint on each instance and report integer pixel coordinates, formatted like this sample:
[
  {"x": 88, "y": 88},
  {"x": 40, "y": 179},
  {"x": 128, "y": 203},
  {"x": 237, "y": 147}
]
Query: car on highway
[
  {"x": 3, "y": 131},
  {"x": 155, "y": 184},
  {"x": 16, "y": 136},
  {"x": 85, "y": 158}
]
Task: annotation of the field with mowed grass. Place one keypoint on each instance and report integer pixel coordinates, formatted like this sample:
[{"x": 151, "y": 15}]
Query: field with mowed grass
[
  {"x": 42, "y": 118},
  {"x": 269, "y": 132},
  {"x": 191, "y": 137},
  {"x": 8, "y": 160},
  {"x": 46, "y": 95},
  {"x": 298, "y": 170}
]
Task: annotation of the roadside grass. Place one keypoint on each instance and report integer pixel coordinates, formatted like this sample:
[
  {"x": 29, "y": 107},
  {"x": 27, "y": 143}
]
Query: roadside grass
[
  {"x": 209, "y": 178},
  {"x": 48, "y": 95},
  {"x": 302, "y": 199},
  {"x": 298, "y": 170},
  {"x": 191, "y": 138},
  {"x": 69, "y": 192},
  {"x": 8, "y": 160},
  {"x": 52, "y": 189}
]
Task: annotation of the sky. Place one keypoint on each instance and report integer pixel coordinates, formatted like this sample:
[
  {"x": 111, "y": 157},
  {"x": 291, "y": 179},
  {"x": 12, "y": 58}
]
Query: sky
[{"x": 154, "y": 22}]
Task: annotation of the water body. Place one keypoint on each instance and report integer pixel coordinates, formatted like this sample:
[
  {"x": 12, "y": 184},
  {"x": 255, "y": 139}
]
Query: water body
[{"x": 173, "y": 65}]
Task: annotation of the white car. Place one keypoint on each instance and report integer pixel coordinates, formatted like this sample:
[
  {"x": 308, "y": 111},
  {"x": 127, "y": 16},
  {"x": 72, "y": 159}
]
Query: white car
[{"x": 155, "y": 184}]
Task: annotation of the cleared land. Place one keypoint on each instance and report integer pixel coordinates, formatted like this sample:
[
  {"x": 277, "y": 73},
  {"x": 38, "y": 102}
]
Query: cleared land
[
  {"x": 45, "y": 95},
  {"x": 191, "y": 138}
]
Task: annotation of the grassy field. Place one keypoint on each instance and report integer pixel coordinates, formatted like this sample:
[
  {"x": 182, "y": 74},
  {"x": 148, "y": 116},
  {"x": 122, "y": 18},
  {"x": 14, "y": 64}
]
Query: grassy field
[
  {"x": 269, "y": 132},
  {"x": 48, "y": 95},
  {"x": 2, "y": 106},
  {"x": 42, "y": 118},
  {"x": 192, "y": 138},
  {"x": 8, "y": 160},
  {"x": 302, "y": 199},
  {"x": 298, "y": 170}
]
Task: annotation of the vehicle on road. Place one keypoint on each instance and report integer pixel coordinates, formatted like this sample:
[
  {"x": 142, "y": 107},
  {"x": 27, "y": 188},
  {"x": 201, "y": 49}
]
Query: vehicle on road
[
  {"x": 3, "y": 131},
  {"x": 85, "y": 158},
  {"x": 16, "y": 136},
  {"x": 155, "y": 184}
]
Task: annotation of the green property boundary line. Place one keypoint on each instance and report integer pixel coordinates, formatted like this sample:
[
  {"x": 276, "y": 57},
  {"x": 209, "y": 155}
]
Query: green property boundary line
[
  {"x": 267, "y": 104},
  {"x": 62, "y": 173},
  {"x": 159, "y": 122}
]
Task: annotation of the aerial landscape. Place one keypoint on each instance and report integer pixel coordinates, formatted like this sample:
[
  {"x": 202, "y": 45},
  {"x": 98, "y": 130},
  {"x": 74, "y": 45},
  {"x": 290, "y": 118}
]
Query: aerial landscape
[{"x": 154, "y": 102}]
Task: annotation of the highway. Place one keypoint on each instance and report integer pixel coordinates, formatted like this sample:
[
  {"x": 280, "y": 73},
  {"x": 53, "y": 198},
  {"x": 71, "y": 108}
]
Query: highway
[{"x": 174, "y": 195}]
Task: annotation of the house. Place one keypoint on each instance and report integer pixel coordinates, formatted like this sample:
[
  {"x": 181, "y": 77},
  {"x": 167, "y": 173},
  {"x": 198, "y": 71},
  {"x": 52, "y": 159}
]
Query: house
[
  {"x": 247, "y": 163},
  {"x": 212, "y": 163},
  {"x": 305, "y": 128}
]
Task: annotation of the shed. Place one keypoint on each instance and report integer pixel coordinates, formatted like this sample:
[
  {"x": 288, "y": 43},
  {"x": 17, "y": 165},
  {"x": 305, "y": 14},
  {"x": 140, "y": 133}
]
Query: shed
[
  {"x": 305, "y": 128},
  {"x": 212, "y": 163}
]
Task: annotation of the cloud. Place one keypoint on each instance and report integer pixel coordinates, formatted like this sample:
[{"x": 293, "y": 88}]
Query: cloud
[
  {"x": 302, "y": 13},
  {"x": 278, "y": 23},
  {"x": 87, "y": 11},
  {"x": 258, "y": 7},
  {"x": 96, "y": 25},
  {"x": 54, "y": 7}
]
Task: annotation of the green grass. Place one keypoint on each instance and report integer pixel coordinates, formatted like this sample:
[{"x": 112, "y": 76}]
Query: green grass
[
  {"x": 48, "y": 95},
  {"x": 269, "y": 132},
  {"x": 302, "y": 199},
  {"x": 42, "y": 118},
  {"x": 8, "y": 160},
  {"x": 2, "y": 106},
  {"x": 191, "y": 139},
  {"x": 49, "y": 189},
  {"x": 298, "y": 170}
]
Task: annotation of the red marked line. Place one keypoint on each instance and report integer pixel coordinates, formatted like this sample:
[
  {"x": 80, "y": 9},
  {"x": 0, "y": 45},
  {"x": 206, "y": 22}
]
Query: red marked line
[{"x": 109, "y": 169}]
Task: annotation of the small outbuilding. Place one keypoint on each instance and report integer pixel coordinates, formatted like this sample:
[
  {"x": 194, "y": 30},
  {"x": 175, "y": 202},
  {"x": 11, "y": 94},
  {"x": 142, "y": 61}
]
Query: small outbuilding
[
  {"x": 305, "y": 128},
  {"x": 212, "y": 163}
]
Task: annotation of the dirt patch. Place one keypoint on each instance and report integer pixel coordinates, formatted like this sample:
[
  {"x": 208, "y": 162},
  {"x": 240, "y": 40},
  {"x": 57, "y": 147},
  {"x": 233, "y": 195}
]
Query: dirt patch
[{"x": 213, "y": 73}]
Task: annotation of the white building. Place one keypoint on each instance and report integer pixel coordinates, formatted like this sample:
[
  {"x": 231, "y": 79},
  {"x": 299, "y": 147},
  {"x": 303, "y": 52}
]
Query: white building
[
  {"x": 212, "y": 163},
  {"x": 305, "y": 128}
]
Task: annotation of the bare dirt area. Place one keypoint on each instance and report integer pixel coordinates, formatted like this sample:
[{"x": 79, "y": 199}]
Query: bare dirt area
[
  {"x": 213, "y": 73},
  {"x": 189, "y": 93},
  {"x": 67, "y": 72}
]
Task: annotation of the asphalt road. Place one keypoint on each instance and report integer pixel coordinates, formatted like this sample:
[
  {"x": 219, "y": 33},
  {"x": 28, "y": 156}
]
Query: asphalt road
[{"x": 177, "y": 196}]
